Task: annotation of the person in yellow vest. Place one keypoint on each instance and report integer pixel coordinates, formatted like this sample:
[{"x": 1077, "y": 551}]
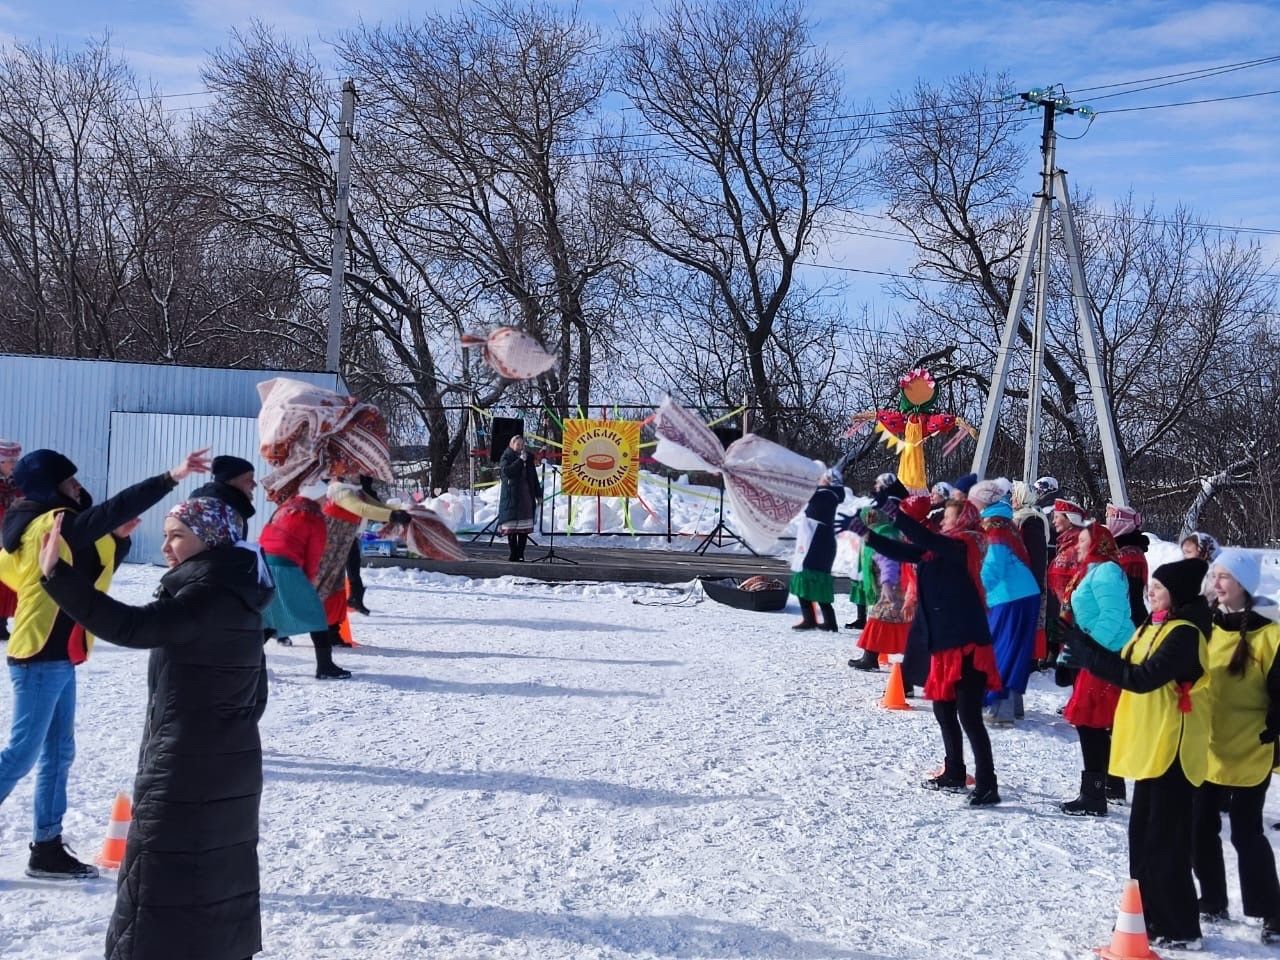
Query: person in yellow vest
[
  {"x": 47, "y": 645},
  {"x": 1244, "y": 671},
  {"x": 1160, "y": 740}
]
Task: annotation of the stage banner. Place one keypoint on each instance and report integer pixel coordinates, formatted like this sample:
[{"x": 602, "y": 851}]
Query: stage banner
[{"x": 601, "y": 458}]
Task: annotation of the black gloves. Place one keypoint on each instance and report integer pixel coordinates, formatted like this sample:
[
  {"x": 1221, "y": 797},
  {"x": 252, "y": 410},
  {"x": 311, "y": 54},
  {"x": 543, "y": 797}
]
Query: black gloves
[
  {"x": 1271, "y": 731},
  {"x": 857, "y": 525},
  {"x": 894, "y": 490},
  {"x": 1078, "y": 647},
  {"x": 401, "y": 516}
]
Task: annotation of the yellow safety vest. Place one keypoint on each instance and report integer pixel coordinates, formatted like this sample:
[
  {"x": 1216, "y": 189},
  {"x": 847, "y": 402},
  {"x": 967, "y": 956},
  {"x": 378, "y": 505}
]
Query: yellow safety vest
[
  {"x": 20, "y": 572},
  {"x": 1150, "y": 731},
  {"x": 1236, "y": 758}
]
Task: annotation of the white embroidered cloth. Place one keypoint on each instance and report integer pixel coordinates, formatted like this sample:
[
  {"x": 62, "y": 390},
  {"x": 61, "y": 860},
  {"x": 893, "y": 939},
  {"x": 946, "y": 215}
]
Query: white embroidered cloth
[
  {"x": 766, "y": 484},
  {"x": 308, "y": 433},
  {"x": 512, "y": 353}
]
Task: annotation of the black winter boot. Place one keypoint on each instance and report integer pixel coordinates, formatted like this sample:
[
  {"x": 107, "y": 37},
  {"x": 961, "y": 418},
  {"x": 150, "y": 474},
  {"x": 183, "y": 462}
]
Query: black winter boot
[
  {"x": 828, "y": 618},
  {"x": 947, "y": 782},
  {"x": 807, "y": 619},
  {"x": 1116, "y": 790},
  {"x": 52, "y": 860},
  {"x": 1092, "y": 801},
  {"x": 870, "y": 660},
  {"x": 988, "y": 796},
  {"x": 326, "y": 669},
  {"x": 861, "y": 620}
]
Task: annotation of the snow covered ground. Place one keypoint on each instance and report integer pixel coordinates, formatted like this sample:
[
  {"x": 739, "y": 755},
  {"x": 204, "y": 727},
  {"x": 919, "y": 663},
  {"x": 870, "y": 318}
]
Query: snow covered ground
[{"x": 527, "y": 771}]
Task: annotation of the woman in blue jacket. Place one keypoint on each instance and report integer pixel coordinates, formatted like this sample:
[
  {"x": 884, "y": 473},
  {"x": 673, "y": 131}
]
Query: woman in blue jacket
[
  {"x": 1099, "y": 606},
  {"x": 1013, "y": 598}
]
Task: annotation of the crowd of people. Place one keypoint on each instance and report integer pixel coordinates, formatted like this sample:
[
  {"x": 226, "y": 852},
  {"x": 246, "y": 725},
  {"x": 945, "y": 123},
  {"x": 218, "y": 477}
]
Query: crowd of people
[
  {"x": 1174, "y": 678},
  {"x": 188, "y": 885}
]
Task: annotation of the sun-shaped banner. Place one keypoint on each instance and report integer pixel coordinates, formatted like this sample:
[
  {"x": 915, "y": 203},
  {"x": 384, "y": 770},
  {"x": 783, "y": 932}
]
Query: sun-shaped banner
[{"x": 601, "y": 458}]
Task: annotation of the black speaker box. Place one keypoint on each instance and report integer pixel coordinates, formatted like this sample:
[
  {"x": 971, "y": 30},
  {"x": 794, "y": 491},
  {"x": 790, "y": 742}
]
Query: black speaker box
[
  {"x": 726, "y": 435},
  {"x": 500, "y": 433}
]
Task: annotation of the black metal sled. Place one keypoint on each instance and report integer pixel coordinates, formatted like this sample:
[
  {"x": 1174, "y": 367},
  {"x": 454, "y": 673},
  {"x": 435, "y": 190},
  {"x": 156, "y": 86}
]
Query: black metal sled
[{"x": 728, "y": 592}]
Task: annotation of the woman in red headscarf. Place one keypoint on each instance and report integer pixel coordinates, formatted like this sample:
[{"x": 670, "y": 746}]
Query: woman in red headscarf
[
  {"x": 951, "y": 614},
  {"x": 1098, "y": 605}
]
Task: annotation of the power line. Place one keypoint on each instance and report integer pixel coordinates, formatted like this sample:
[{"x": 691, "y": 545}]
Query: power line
[
  {"x": 1190, "y": 103},
  {"x": 1198, "y": 74}
]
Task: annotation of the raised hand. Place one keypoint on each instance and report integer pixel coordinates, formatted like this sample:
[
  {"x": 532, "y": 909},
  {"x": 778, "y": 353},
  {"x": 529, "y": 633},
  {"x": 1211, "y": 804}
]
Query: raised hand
[
  {"x": 49, "y": 547},
  {"x": 125, "y": 530},
  {"x": 196, "y": 462}
]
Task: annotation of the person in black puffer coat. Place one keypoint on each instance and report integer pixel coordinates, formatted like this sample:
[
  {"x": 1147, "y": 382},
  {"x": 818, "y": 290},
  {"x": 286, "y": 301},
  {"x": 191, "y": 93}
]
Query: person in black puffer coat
[
  {"x": 188, "y": 885},
  {"x": 519, "y": 498}
]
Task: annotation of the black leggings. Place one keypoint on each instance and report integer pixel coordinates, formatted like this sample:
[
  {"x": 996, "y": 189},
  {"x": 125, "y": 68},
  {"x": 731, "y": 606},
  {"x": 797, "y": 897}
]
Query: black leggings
[
  {"x": 354, "y": 581},
  {"x": 323, "y": 640},
  {"x": 517, "y": 542},
  {"x": 1160, "y": 853},
  {"x": 965, "y": 713},
  {"x": 1095, "y": 749},
  {"x": 1259, "y": 888}
]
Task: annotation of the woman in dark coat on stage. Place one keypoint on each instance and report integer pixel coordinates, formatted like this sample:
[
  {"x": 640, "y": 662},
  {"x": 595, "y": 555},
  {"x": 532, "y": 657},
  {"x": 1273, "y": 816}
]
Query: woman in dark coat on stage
[
  {"x": 521, "y": 493},
  {"x": 188, "y": 886}
]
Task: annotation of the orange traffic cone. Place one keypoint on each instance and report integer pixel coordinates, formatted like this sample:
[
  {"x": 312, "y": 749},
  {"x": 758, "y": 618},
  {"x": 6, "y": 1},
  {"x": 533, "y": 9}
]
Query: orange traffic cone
[
  {"x": 117, "y": 832},
  {"x": 895, "y": 697},
  {"x": 883, "y": 661},
  {"x": 1129, "y": 941},
  {"x": 344, "y": 631}
]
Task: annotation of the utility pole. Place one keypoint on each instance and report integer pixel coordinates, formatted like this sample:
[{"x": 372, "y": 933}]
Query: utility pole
[
  {"x": 1031, "y": 456},
  {"x": 338, "y": 259},
  {"x": 1039, "y": 235}
]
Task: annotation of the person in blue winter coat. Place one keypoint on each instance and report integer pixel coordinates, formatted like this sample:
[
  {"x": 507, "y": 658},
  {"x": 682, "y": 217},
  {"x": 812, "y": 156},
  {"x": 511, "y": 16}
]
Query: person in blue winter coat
[
  {"x": 812, "y": 583},
  {"x": 1099, "y": 606},
  {"x": 1013, "y": 598}
]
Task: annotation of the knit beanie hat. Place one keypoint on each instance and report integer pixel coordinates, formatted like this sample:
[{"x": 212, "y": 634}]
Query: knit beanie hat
[
  {"x": 213, "y": 521},
  {"x": 39, "y": 473},
  {"x": 986, "y": 492},
  {"x": 1182, "y": 579},
  {"x": 917, "y": 507},
  {"x": 1243, "y": 567},
  {"x": 964, "y": 484},
  {"x": 1122, "y": 520},
  {"x": 10, "y": 450},
  {"x": 1045, "y": 486},
  {"x": 227, "y": 468}
]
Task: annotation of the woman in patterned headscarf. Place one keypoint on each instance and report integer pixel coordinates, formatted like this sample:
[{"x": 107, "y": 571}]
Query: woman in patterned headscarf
[{"x": 1099, "y": 606}]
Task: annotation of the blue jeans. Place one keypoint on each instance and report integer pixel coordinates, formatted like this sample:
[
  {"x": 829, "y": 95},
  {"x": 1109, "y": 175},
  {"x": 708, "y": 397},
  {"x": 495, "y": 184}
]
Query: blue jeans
[{"x": 44, "y": 729}]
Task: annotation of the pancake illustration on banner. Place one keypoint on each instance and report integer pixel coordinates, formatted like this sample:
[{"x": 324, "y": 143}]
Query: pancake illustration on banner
[{"x": 601, "y": 458}]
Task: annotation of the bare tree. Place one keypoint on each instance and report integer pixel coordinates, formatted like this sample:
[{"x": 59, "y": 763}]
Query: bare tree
[
  {"x": 743, "y": 146},
  {"x": 1161, "y": 286}
]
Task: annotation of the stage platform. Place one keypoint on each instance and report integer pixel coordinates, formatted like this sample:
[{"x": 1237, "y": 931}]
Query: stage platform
[{"x": 608, "y": 564}]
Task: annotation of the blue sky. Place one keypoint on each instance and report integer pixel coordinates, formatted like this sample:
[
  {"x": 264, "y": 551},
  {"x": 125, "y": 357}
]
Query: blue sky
[{"x": 1222, "y": 159}]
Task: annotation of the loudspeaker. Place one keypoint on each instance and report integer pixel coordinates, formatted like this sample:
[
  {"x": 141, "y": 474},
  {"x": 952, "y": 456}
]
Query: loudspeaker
[
  {"x": 500, "y": 433},
  {"x": 726, "y": 435}
]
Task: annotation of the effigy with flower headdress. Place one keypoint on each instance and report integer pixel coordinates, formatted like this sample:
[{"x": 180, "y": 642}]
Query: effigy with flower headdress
[{"x": 905, "y": 430}]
